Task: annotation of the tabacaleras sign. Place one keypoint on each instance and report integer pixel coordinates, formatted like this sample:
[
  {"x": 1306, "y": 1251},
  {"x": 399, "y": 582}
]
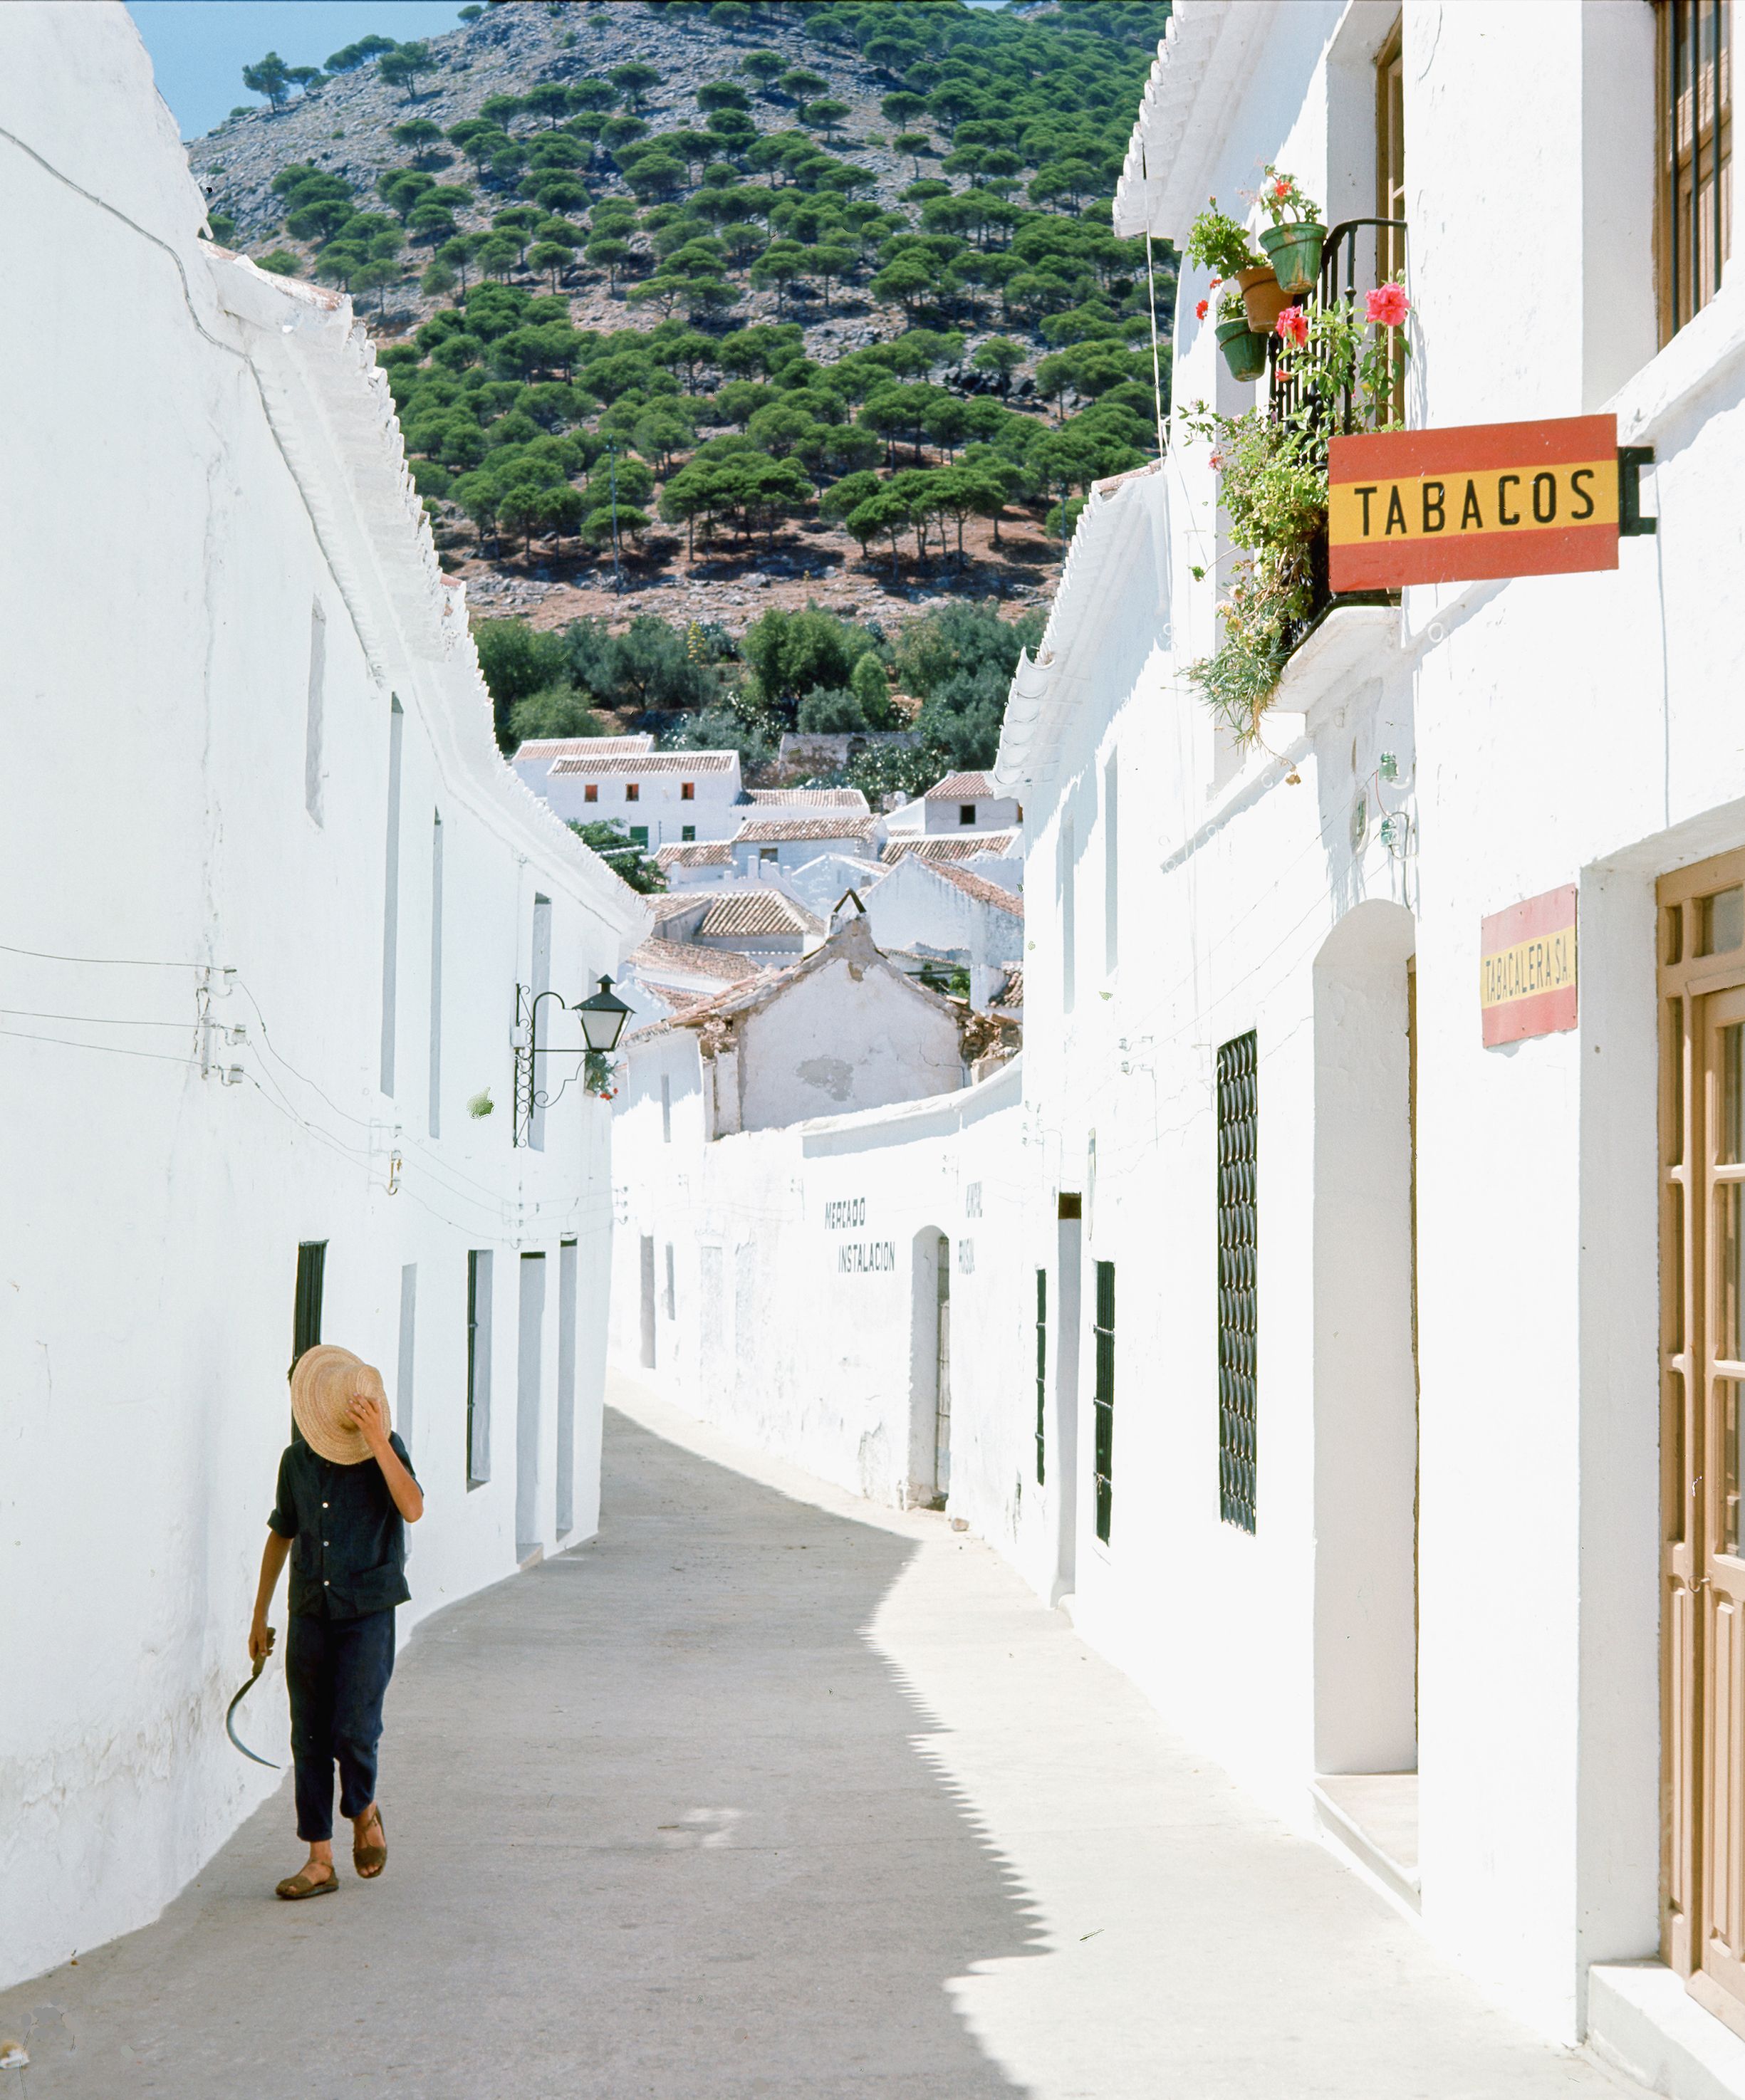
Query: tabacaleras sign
[
  {"x": 1526, "y": 968},
  {"x": 1486, "y": 499}
]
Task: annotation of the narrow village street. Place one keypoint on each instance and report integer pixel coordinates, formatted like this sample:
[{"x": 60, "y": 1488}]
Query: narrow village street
[{"x": 764, "y": 1791}]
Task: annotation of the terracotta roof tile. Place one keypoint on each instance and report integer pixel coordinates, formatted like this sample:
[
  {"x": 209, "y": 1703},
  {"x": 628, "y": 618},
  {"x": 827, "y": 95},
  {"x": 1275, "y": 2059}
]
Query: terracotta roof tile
[
  {"x": 1011, "y": 993},
  {"x": 955, "y": 845},
  {"x": 653, "y": 761},
  {"x": 583, "y": 746},
  {"x": 758, "y": 911},
  {"x": 959, "y": 787},
  {"x": 808, "y": 798},
  {"x": 656, "y": 956},
  {"x": 979, "y": 887},
  {"x": 776, "y": 831},
  {"x": 707, "y": 852}
]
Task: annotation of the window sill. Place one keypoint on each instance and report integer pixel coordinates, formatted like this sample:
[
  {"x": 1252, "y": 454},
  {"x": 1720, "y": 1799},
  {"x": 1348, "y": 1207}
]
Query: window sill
[
  {"x": 1348, "y": 642},
  {"x": 1702, "y": 353}
]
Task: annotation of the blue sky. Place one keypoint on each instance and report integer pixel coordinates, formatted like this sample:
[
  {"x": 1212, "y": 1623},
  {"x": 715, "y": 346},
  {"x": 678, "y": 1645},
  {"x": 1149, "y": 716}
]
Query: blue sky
[{"x": 199, "y": 48}]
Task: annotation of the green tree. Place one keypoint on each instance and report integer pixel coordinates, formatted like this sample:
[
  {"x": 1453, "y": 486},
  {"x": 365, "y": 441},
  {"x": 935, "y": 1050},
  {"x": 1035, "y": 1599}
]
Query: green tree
[
  {"x": 880, "y": 515},
  {"x": 401, "y": 68},
  {"x": 421, "y": 135},
  {"x": 827, "y": 113},
  {"x": 631, "y": 862},
  {"x": 516, "y": 660},
  {"x": 999, "y": 354},
  {"x": 551, "y": 258},
  {"x": 634, "y": 80},
  {"x": 914, "y": 143},
  {"x": 270, "y": 77},
  {"x": 764, "y": 67},
  {"x": 559, "y": 710}
]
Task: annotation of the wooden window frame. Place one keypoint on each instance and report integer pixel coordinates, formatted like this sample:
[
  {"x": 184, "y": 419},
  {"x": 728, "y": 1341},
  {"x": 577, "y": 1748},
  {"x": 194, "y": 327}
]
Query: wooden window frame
[{"x": 1687, "y": 278}]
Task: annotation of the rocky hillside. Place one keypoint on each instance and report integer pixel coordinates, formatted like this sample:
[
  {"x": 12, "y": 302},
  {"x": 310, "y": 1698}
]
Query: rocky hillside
[{"x": 692, "y": 310}]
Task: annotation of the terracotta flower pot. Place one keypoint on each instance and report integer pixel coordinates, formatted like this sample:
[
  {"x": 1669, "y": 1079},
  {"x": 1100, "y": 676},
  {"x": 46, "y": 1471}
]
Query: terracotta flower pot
[
  {"x": 1295, "y": 254},
  {"x": 1264, "y": 297},
  {"x": 1244, "y": 350}
]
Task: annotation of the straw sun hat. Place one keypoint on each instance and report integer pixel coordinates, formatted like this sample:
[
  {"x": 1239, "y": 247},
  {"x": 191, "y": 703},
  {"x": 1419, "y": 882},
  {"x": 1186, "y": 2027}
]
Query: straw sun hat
[{"x": 325, "y": 1382}]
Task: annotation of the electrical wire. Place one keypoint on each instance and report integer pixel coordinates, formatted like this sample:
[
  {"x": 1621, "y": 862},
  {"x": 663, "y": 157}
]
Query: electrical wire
[
  {"x": 103, "y": 962},
  {"x": 105, "y": 1049}
]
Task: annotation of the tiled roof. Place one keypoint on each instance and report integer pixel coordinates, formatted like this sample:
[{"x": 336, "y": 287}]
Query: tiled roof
[
  {"x": 777, "y": 832},
  {"x": 808, "y": 798},
  {"x": 979, "y": 887},
  {"x": 653, "y": 761},
  {"x": 955, "y": 846},
  {"x": 656, "y": 957},
  {"x": 1011, "y": 993},
  {"x": 709, "y": 852},
  {"x": 758, "y": 911},
  {"x": 583, "y": 746},
  {"x": 959, "y": 787}
]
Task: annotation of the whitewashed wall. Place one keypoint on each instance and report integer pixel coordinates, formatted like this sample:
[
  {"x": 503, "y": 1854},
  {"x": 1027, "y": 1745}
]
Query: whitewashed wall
[
  {"x": 1580, "y": 729},
  {"x": 804, "y": 1299},
  {"x": 200, "y": 455}
]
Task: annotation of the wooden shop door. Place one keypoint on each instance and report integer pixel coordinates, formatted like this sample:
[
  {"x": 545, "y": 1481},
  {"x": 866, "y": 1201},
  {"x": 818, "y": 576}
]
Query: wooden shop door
[{"x": 1702, "y": 1282}]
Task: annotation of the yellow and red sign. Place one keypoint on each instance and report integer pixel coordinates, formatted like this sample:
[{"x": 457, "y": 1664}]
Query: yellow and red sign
[
  {"x": 1486, "y": 499},
  {"x": 1526, "y": 968}
]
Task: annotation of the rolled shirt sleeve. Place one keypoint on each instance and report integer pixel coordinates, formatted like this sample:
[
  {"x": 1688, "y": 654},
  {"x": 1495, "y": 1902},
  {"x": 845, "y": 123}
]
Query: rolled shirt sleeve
[{"x": 284, "y": 1518}]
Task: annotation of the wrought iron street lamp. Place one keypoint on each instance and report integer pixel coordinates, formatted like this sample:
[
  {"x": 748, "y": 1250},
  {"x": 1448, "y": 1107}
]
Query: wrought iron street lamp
[{"x": 603, "y": 1018}]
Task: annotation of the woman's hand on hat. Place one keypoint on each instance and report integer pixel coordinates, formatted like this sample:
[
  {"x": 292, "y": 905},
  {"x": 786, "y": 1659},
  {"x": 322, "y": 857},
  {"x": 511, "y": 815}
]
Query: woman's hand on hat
[{"x": 369, "y": 1417}]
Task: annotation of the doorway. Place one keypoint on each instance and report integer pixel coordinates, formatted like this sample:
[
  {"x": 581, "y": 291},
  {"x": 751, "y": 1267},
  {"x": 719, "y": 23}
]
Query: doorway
[
  {"x": 930, "y": 1466},
  {"x": 1069, "y": 1227},
  {"x": 528, "y": 1380},
  {"x": 1702, "y": 984},
  {"x": 1366, "y": 1391}
]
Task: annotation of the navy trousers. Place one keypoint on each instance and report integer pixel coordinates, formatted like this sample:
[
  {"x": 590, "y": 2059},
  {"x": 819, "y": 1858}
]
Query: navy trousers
[{"x": 337, "y": 1671}]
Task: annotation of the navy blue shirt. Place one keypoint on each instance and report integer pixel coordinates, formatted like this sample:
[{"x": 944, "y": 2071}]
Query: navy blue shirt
[{"x": 350, "y": 1555}]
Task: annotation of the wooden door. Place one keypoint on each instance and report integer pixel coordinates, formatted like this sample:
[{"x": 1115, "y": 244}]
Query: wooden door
[{"x": 1702, "y": 1314}]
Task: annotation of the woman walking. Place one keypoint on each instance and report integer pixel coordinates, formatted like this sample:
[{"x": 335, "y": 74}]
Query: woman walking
[{"x": 347, "y": 1493}]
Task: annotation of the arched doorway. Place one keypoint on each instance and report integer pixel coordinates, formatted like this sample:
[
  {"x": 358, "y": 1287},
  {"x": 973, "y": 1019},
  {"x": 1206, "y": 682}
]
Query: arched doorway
[{"x": 1366, "y": 1387}]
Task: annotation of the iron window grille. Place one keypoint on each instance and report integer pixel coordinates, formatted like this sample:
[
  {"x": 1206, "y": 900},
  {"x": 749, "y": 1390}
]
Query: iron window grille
[
  {"x": 1104, "y": 1403},
  {"x": 1041, "y": 1370},
  {"x": 1237, "y": 1130},
  {"x": 1694, "y": 206}
]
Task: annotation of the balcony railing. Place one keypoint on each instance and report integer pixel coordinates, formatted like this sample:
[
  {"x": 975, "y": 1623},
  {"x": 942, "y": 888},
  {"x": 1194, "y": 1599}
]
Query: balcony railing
[{"x": 1381, "y": 244}]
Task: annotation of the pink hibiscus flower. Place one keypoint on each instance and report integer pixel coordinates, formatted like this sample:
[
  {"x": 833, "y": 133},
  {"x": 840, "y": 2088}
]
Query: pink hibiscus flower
[
  {"x": 1388, "y": 306},
  {"x": 1293, "y": 327}
]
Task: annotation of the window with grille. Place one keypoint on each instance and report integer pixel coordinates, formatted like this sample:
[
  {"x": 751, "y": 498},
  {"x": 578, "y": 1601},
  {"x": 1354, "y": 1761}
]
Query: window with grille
[
  {"x": 1694, "y": 204},
  {"x": 1041, "y": 1368},
  {"x": 1238, "y": 1132},
  {"x": 1105, "y": 1398}
]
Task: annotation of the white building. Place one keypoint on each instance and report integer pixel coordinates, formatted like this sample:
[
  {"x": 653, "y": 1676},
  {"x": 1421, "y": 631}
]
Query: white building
[
  {"x": 755, "y": 919},
  {"x": 940, "y": 911},
  {"x": 661, "y": 797},
  {"x": 959, "y": 804},
  {"x": 996, "y": 856},
  {"x": 821, "y": 883},
  {"x": 789, "y": 842},
  {"x": 265, "y": 942}
]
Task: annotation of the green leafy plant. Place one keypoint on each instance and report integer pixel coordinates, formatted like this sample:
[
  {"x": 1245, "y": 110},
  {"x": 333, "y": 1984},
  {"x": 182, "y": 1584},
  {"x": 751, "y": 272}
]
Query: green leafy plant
[
  {"x": 1282, "y": 200},
  {"x": 599, "y": 1076},
  {"x": 1217, "y": 243},
  {"x": 481, "y": 1103}
]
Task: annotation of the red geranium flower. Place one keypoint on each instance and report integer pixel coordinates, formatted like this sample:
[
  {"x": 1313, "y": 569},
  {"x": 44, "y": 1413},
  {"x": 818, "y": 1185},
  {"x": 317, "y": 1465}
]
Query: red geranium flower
[
  {"x": 1387, "y": 305},
  {"x": 1199, "y": 311},
  {"x": 1282, "y": 187},
  {"x": 1293, "y": 327}
]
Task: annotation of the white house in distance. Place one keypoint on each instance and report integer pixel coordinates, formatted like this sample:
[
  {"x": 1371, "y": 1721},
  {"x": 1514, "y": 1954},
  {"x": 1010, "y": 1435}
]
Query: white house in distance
[
  {"x": 659, "y": 797},
  {"x": 293, "y": 896},
  {"x": 939, "y": 911},
  {"x": 960, "y": 803}
]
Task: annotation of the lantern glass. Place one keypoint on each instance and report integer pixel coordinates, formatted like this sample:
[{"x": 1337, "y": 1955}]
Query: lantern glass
[{"x": 603, "y": 1018}]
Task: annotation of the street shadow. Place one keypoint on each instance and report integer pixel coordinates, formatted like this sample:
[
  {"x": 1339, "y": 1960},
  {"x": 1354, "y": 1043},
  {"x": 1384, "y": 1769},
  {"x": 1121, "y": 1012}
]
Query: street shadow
[{"x": 658, "y": 1825}]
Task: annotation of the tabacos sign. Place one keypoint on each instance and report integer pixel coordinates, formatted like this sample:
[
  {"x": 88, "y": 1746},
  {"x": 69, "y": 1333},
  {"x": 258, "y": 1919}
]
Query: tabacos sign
[{"x": 1487, "y": 499}]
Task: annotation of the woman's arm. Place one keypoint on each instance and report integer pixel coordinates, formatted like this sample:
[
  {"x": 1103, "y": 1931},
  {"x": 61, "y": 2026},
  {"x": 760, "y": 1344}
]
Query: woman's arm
[
  {"x": 272, "y": 1559},
  {"x": 370, "y": 1416}
]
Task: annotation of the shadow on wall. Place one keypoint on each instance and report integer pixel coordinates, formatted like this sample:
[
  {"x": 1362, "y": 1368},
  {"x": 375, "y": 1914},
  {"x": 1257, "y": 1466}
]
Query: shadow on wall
[{"x": 659, "y": 1826}]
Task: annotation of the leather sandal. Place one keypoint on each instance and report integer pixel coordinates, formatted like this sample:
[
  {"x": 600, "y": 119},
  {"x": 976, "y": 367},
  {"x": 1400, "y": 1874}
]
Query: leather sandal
[
  {"x": 296, "y": 1886},
  {"x": 369, "y": 1860}
]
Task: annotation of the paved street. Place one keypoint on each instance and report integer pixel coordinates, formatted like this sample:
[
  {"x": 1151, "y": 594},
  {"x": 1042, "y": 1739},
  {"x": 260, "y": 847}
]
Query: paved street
[{"x": 764, "y": 1794}]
